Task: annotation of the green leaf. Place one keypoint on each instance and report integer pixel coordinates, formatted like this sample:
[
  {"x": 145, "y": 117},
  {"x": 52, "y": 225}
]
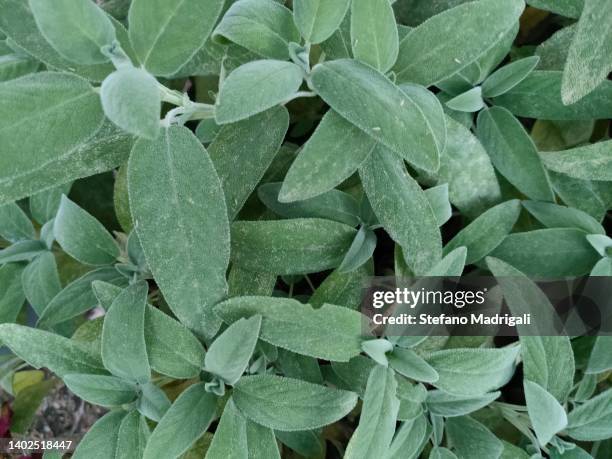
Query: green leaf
[
  {"x": 451, "y": 265},
  {"x": 600, "y": 359},
  {"x": 101, "y": 438},
  {"x": 442, "y": 404},
  {"x": 374, "y": 35},
  {"x": 263, "y": 26},
  {"x": 331, "y": 155},
  {"x": 186, "y": 420},
  {"x": 591, "y": 420},
  {"x": 132, "y": 437},
  {"x": 229, "y": 354},
  {"x": 589, "y": 162},
  {"x": 21, "y": 251},
  {"x": 43, "y": 349},
  {"x": 410, "y": 439},
  {"x": 182, "y": 227},
  {"x": 555, "y": 216},
  {"x": 107, "y": 149},
  {"x": 469, "y": 101},
  {"x": 253, "y": 143},
  {"x": 547, "y": 415},
  {"x": 473, "y": 371},
  {"x": 513, "y": 153},
  {"x": 402, "y": 208},
  {"x": 28, "y": 140},
  {"x": 539, "y": 96},
  {"x": 361, "y": 250},
  {"x": 299, "y": 366},
  {"x": 513, "y": 452},
  {"x": 14, "y": 65},
  {"x": 77, "y": 297},
  {"x": 317, "y": 20},
  {"x": 152, "y": 402},
  {"x": 589, "y": 58},
  {"x": 82, "y": 236},
  {"x": 554, "y": 252},
  {"x": 439, "y": 452},
  {"x": 296, "y": 246},
  {"x": 463, "y": 163},
  {"x": 77, "y": 29},
  {"x": 15, "y": 225},
  {"x": 487, "y": 231},
  {"x": 374, "y": 433},
  {"x": 166, "y": 35},
  {"x": 409, "y": 364},
  {"x": 238, "y": 437},
  {"x": 11, "y": 293},
  {"x": 568, "y": 8},
  {"x": 471, "y": 439},
  {"x": 44, "y": 204},
  {"x": 507, "y": 77},
  {"x": 371, "y": 102},
  {"x": 255, "y": 87},
  {"x": 437, "y": 49},
  {"x": 41, "y": 282},
  {"x": 100, "y": 389},
  {"x": 343, "y": 289},
  {"x": 124, "y": 350},
  {"x": 333, "y": 205},
  {"x": 330, "y": 332},
  {"x": 26, "y": 404},
  {"x": 131, "y": 99},
  {"x": 171, "y": 347},
  {"x": 290, "y": 404},
  {"x": 338, "y": 46}
]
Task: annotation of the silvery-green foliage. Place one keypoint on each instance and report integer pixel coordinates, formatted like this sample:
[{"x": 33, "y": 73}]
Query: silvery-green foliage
[{"x": 264, "y": 159}]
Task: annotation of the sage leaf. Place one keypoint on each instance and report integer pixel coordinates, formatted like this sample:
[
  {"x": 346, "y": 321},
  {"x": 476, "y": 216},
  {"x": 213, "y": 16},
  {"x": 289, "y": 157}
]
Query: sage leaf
[
  {"x": 41, "y": 281},
  {"x": 77, "y": 297},
  {"x": 428, "y": 54},
  {"x": 408, "y": 218},
  {"x": 473, "y": 371},
  {"x": 487, "y": 231},
  {"x": 374, "y": 433},
  {"x": 507, "y": 77},
  {"x": 539, "y": 96},
  {"x": 14, "y": 65},
  {"x": 124, "y": 350},
  {"x": 332, "y": 154},
  {"x": 297, "y": 405},
  {"x": 165, "y": 35},
  {"x": 229, "y": 354},
  {"x": 272, "y": 81},
  {"x": 547, "y": 415},
  {"x": 27, "y": 141},
  {"x": 152, "y": 402},
  {"x": 342, "y": 289},
  {"x": 442, "y": 404},
  {"x": 77, "y": 29},
  {"x": 588, "y": 60},
  {"x": 131, "y": 99},
  {"x": 471, "y": 439},
  {"x": 513, "y": 153},
  {"x": 374, "y": 36},
  {"x": 184, "y": 422},
  {"x": 568, "y": 8},
  {"x": 361, "y": 250},
  {"x": 11, "y": 295},
  {"x": 317, "y": 20},
  {"x": 44, "y": 204},
  {"x": 82, "y": 236},
  {"x": 295, "y": 246},
  {"x": 333, "y": 205},
  {"x": 591, "y": 420},
  {"x": 255, "y": 142},
  {"x": 600, "y": 360},
  {"x": 100, "y": 389},
  {"x": 451, "y": 265},
  {"x": 133, "y": 435},
  {"x": 263, "y": 26},
  {"x": 21, "y": 251},
  {"x": 43, "y": 349},
  {"x": 590, "y": 162},
  {"x": 547, "y": 360},
  {"x": 384, "y": 112},
  {"x": 408, "y": 363},
  {"x": 101, "y": 437},
  {"x": 166, "y": 199},
  {"x": 555, "y": 216},
  {"x": 439, "y": 452},
  {"x": 572, "y": 254},
  {"x": 410, "y": 439},
  {"x": 469, "y": 101},
  {"x": 329, "y": 332},
  {"x": 15, "y": 225}
]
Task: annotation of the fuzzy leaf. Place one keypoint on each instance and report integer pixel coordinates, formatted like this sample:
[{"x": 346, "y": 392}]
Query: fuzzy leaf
[{"x": 317, "y": 20}]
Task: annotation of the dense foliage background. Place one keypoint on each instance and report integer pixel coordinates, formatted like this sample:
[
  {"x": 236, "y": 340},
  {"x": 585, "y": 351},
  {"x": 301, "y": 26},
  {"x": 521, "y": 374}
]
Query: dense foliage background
[{"x": 192, "y": 195}]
